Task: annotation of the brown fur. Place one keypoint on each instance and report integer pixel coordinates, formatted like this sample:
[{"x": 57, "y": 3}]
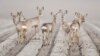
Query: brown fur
[
  {"x": 19, "y": 26},
  {"x": 73, "y": 28},
  {"x": 48, "y": 27},
  {"x": 35, "y": 21}
]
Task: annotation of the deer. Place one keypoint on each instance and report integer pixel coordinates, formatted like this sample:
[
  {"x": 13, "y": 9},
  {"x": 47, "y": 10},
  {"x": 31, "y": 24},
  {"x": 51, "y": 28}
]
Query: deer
[
  {"x": 64, "y": 24},
  {"x": 47, "y": 28},
  {"x": 75, "y": 27},
  {"x": 72, "y": 30},
  {"x": 21, "y": 26},
  {"x": 35, "y": 21}
]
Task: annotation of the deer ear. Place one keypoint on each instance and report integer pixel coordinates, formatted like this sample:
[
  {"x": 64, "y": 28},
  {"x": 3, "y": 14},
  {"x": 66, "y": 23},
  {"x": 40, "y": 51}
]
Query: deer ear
[
  {"x": 66, "y": 11},
  {"x": 76, "y": 13},
  {"x": 37, "y": 7},
  {"x": 17, "y": 13},
  {"x": 51, "y": 13},
  {"x": 20, "y": 12},
  {"x": 11, "y": 14},
  {"x": 86, "y": 14},
  {"x": 60, "y": 10},
  {"x": 43, "y": 8}
]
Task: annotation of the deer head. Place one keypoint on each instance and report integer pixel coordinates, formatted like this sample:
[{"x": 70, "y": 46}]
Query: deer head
[
  {"x": 21, "y": 16},
  {"x": 15, "y": 18},
  {"x": 40, "y": 10},
  {"x": 19, "y": 13},
  {"x": 63, "y": 13},
  {"x": 80, "y": 17},
  {"x": 55, "y": 15}
]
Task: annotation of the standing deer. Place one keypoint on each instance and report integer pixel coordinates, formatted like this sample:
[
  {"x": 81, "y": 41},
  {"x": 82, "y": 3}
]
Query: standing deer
[
  {"x": 74, "y": 34},
  {"x": 21, "y": 26},
  {"x": 65, "y": 24},
  {"x": 47, "y": 28},
  {"x": 75, "y": 27},
  {"x": 72, "y": 30},
  {"x": 35, "y": 21}
]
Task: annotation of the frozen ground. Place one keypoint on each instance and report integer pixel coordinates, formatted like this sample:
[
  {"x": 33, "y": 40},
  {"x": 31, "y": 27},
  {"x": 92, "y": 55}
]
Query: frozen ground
[
  {"x": 89, "y": 42},
  {"x": 5, "y": 23},
  {"x": 88, "y": 48},
  {"x": 32, "y": 48},
  {"x": 60, "y": 45},
  {"x": 94, "y": 33}
]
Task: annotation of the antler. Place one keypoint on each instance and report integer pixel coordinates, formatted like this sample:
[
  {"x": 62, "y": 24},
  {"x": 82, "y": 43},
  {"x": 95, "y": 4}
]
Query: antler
[{"x": 19, "y": 13}]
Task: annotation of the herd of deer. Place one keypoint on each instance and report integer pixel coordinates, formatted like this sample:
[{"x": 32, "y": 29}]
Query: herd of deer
[{"x": 70, "y": 28}]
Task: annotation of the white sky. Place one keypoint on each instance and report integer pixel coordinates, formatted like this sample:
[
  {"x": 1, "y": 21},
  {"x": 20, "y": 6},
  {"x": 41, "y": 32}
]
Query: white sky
[{"x": 92, "y": 7}]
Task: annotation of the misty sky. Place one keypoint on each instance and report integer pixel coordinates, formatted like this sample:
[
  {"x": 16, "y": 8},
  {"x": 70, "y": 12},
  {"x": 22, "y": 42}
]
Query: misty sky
[{"x": 92, "y": 7}]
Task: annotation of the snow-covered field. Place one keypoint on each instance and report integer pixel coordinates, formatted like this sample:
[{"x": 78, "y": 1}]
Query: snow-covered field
[
  {"x": 61, "y": 45},
  {"x": 89, "y": 42}
]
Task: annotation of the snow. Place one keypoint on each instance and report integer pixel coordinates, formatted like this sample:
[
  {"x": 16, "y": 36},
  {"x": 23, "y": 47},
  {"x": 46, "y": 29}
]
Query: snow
[
  {"x": 10, "y": 43},
  {"x": 60, "y": 48},
  {"x": 5, "y": 23},
  {"x": 95, "y": 29},
  {"x": 88, "y": 47},
  {"x": 94, "y": 32},
  {"x": 31, "y": 49},
  {"x": 61, "y": 45},
  {"x": 7, "y": 30}
]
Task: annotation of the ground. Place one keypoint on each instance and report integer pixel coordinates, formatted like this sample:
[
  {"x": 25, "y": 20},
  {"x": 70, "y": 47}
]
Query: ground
[{"x": 89, "y": 42}]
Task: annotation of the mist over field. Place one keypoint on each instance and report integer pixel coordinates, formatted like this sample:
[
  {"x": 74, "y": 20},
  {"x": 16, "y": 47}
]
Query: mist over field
[{"x": 92, "y": 7}]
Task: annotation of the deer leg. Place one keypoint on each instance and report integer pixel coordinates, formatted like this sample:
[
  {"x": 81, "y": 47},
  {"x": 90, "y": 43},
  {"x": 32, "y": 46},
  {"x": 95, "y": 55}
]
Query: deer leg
[
  {"x": 25, "y": 34},
  {"x": 77, "y": 39},
  {"x": 44, "y": 38},
  {"x": 24, "y": 37},
  {"x": 47, "y": 37},
  {"x": 18, "y": 32},
  {"x": 14, "y": 21},
  {"x": 35, "y": 30},
  {"x": 18, "y": 38},
  {"x": 65, "y": 34},
  {"x": 70, "y": 40},
  {"x": 21, "y": 37}
]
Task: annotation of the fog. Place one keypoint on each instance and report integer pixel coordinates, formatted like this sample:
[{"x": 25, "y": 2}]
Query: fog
[{"x": 92, "y": 7}]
